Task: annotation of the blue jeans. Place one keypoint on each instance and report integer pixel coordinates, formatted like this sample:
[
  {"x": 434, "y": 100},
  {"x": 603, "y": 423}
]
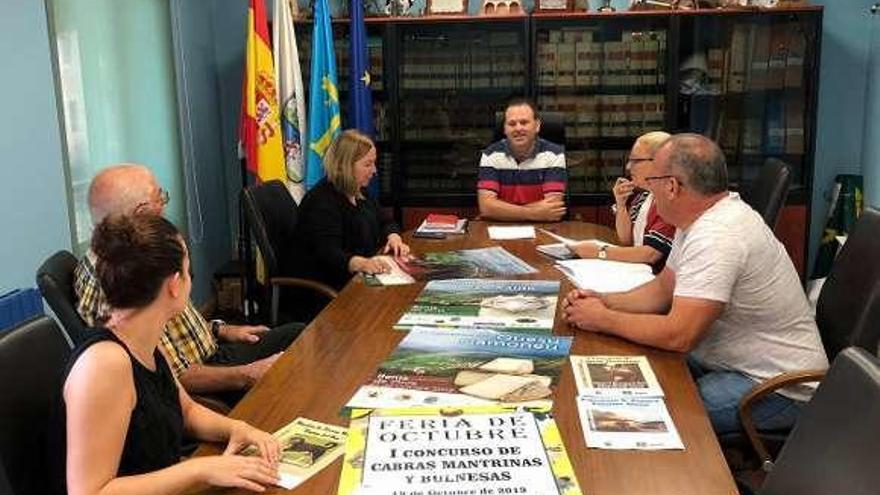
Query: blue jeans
[{"x": 721, "y": 391}]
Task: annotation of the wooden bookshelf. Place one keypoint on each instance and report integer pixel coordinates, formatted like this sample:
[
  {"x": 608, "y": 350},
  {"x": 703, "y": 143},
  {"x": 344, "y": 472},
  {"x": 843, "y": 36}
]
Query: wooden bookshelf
[{"x": 440, "y": 79}]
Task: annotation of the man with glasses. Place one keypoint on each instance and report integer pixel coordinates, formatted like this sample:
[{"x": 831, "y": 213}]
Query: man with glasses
[
  {"x": 206, "y": 357},
  {"x": 644, "y": 236},
  {"x": 522, "y": 177},
  {"x": 729, "y": 294}
]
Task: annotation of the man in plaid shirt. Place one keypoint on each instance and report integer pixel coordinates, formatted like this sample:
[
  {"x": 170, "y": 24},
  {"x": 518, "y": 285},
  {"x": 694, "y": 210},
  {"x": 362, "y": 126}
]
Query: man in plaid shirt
[{"x": 206, "y": 357}]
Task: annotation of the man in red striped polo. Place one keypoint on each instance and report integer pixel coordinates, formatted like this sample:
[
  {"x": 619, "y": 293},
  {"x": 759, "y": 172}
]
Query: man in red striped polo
[{"x": 522, "y": 177}]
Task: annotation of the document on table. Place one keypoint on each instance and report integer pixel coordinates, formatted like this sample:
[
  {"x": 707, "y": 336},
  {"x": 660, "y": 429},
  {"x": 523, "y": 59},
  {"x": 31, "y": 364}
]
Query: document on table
[
  {"x": 614, "y": 376},
  {"x": 307, "y": 447},
  {"x": 506, "y": 232},
  {"x": 604, "y": 275},
  {"x": 641, "y": 423},
  {"x": 571, "y": 242}
]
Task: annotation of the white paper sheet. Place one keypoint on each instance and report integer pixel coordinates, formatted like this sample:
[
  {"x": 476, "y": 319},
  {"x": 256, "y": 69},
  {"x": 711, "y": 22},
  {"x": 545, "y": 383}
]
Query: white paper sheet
[
  {"x": 571, "y": 242},
  {"x": 604, "y": 275},
  {"x": 506, "y": 232}
]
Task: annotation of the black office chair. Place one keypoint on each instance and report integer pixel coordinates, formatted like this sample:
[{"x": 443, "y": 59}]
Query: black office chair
[
  {"x": 768, "y": 191},
  {"x": 271, "y": 213},
  {"x": 552, "y": 127},
  {"x": 33, "y": 357},
  {"x": 5, "y": 484},
  {"x": 55, "y": 280},
  {"x": 833, "y": 448},
  {"x": 847, "y": 315}
]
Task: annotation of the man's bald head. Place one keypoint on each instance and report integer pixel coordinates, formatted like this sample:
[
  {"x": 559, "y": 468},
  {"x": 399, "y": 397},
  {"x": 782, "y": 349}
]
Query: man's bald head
[{"x": 121, "y": 189}]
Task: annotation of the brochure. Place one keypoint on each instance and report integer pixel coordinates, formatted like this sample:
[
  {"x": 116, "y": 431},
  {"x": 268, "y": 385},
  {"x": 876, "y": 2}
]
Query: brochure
[
  {"x": 443, "y": 265},
  {"x": 433, "y": 367},
  {"x": 306, "y": 447},
  {"x": 627, "y": 423},
  {"x": 615, "y": 376},
  {"x": 510, "y": 305},
  {"x": 489, "y": 450}
]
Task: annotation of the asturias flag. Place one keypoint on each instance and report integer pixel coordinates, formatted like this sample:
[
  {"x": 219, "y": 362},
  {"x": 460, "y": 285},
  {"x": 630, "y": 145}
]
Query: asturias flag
[
  {"x": 361, "y": 97},
  {"x": 260, "y": 132},
  {"x": 324, "y": 118},
  {"x": 290, "y": 96}
]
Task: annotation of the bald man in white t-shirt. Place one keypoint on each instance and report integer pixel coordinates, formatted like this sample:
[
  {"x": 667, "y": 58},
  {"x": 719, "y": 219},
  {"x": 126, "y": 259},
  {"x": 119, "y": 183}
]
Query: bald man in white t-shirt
[{"x": 729, "y": 295}]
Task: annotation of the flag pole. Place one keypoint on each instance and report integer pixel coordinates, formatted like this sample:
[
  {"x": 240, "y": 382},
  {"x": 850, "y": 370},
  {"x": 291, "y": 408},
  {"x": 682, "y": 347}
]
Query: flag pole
[
  {"x": 245, "y": 254},
  {"x": 261, "y": 152}
]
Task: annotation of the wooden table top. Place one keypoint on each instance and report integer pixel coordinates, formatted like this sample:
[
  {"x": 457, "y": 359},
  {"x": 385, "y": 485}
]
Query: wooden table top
[{"x": 343, "y": 346}]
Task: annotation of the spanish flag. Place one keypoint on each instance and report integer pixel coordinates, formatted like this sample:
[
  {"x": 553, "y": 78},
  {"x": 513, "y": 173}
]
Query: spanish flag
[{"x": 260, "y": 130}]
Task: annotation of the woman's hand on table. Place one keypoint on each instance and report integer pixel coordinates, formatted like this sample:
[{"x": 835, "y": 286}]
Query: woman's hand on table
[
  {"x": 395, "y": 246},
  {"x": 243, "y": 435},
  {"x": 370, "y": 266},
  {"x": 237, "y": 471}
]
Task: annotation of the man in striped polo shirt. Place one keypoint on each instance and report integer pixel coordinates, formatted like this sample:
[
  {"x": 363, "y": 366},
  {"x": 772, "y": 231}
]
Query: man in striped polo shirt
[{"x": 522, "y": 177}]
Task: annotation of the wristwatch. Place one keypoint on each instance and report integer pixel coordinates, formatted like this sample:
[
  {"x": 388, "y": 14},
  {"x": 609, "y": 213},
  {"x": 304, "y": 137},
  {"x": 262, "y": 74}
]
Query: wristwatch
[
  {"x": 215, "y": 327},
  {"x": 603, "y": 252}
]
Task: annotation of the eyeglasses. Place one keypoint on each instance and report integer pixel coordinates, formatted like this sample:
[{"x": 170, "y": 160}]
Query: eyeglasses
[
  {"x": 164, "y": 196},
  {"x": 634, "y": 159},
  {"x": 162, "y": 200},
  {"x": 628, "y": 163},
  {"x": 658, "y": 177}
]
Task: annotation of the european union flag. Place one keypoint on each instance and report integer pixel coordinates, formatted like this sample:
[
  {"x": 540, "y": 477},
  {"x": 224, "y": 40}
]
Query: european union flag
[
  {"x": 360, "y": 97},
  {"x": 324, "y": 119}
]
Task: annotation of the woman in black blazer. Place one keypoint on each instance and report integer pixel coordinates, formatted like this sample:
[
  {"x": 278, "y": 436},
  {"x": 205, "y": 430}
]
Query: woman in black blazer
[{"x": 340, "y": 228}]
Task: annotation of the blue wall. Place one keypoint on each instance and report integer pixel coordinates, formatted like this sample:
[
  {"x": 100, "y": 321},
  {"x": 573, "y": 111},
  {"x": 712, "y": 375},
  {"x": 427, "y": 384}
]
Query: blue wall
[
  {"x": 209, "y": 39},
  {"x": 842, "y": 96},
  {"x": 871, "y": 143},
  {"x": 33, "y": 203},
  {"x": 208, "y": 148}
]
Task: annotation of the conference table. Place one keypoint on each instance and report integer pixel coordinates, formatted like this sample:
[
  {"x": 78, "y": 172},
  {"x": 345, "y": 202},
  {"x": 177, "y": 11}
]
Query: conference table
[{"x": 344, "y": 344}]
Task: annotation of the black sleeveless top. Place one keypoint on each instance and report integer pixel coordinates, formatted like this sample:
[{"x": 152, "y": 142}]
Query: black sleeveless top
[{"x": 155, "y": 429}]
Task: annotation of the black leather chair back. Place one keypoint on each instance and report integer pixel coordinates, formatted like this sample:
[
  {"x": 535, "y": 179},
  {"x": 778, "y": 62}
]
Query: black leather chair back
[
  {"x": 768, "y": 192},
  {"x": 833, "y": 448},
  {"x": 552, "y": 127},
  {"x": 33, "y": 357},
  {"x": 55, "y": 280},
  {"x": 272, "y": 215},
  {"x": 848, "y": 311},
  {"x": 5, "y": 485}
]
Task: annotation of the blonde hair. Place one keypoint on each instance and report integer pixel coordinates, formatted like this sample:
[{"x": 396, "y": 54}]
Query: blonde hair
[
  {"x": 653, "y": 140},
  {"x": 349, "y": 147}
]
